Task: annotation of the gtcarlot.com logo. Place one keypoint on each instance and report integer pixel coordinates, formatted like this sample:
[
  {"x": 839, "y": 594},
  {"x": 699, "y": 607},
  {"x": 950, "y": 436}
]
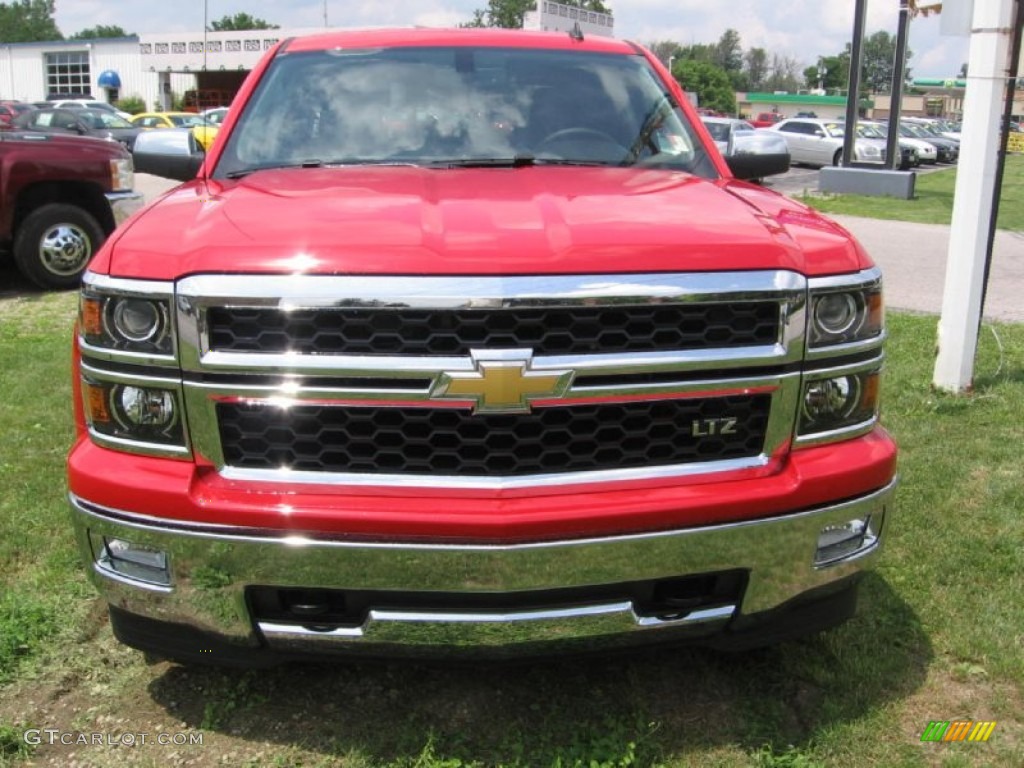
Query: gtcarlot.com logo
[
  {"x": 958, "y": 730},
  {"x": 36, "y": 736}
]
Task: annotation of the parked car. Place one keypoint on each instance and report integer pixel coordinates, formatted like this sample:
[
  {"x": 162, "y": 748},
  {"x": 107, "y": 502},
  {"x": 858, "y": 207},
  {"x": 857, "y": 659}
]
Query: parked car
[
  {"x": 735, "y": 138},
  {"x": 88, "y": 104},
  {"x": 10, "y": 110},
  {"x": 60, "y": 197},
  {"x": 215, "y": 115},
  {"x": 919, "y": 151},
  {"x": 766, "y": 119},
  {"x": 820, "y": 143},
  {"x": 946, "y": 150},
  {"x": 205, "y": 130},
  {"x": 98, "y": 123}
]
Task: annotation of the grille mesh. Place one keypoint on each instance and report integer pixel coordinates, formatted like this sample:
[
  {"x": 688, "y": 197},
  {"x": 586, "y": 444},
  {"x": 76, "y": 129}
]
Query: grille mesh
[
  {"x": 455, "y": 442},
  {"x": 547, "y": 331}
]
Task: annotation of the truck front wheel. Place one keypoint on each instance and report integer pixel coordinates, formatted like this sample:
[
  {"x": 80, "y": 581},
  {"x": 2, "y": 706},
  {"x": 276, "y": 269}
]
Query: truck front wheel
[{"x": 55, "y": 243}]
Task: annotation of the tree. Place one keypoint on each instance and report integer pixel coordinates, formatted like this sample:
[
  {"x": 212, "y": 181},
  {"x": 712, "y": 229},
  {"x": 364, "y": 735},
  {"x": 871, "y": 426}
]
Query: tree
[
  {"x": 756, "y": 68},
  {"x": 28, "y": 21},
  {"x": 98, "y": 32},
  {"x": 729, "y": 52},
  {"x": 665, "y": 50},
  {"x": 836, "y": 74},
  {"x": 699, "y": 52},
  {"x": 710, "y": 83},
  {"x": 877, "y": 59},
  {"x": 784, "y": 74},
  {"x": 239, "y": 23}
]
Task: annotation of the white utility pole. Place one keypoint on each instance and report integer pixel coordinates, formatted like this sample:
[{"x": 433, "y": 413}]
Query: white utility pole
[{"x": 987, "y": 73}]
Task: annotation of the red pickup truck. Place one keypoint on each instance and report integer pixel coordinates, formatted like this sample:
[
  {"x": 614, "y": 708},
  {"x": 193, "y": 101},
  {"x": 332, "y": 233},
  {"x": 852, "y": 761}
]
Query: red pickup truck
[
  {"x": 60, "y": 197},
  {"x": 469, "y": 341},
  {"x": 767, "y": 119}
]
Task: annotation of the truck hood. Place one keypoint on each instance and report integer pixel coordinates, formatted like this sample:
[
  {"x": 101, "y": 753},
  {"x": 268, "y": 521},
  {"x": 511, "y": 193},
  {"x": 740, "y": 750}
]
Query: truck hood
[{"x": 532, "y": 220}]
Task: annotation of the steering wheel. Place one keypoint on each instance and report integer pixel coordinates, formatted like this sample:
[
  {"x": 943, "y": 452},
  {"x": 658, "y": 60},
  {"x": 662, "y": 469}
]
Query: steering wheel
[{"x": 584, "y": 144}]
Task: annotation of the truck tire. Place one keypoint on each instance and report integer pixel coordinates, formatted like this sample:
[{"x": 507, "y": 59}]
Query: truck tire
[{"x": 54, "y": 244}]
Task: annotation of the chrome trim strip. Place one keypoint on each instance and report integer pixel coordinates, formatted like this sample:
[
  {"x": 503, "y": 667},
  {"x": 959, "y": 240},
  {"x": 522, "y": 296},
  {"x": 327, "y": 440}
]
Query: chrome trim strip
[
  {"x": 865, "y": 278},
  {"x": 397, "y": 367},
  {"x": 149, "y": 289},
  {"x": 458, "y": 482},
  {"x": 128, "y": 581},
  {"x": 851, "y": 348},
  {"x": 121, "y": 356},
  {"x": 622, "y": 611},
  {"x": 311, "y": 291},
  {"x": 120, "y": 377},
  {"x": 160, "y": 450}
]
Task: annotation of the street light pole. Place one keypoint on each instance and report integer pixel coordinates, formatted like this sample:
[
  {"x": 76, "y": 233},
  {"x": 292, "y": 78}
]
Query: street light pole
[{"x": 206, "y": 16}]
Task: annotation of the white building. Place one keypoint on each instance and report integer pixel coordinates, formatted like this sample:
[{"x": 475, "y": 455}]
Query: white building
[
  {"x": 559, "y": 17},
  {"x": 152, "y": 67}
]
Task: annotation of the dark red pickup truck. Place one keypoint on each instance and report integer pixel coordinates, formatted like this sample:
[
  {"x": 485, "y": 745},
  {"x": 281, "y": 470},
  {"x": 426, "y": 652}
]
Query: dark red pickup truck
[{"x": 60, "y": 197}]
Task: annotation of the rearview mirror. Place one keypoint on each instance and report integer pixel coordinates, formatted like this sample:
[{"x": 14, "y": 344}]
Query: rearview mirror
[{"x": 173, "y": 153}]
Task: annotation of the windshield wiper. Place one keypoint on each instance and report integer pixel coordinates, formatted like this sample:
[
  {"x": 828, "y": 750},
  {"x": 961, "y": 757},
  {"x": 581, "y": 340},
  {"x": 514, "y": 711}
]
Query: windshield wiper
[
  {"x": 522, "y": 160},
  {"x": 518, "y": 161},
  {"x": 273, "y": 167},
  {"x": 314, "y": 163}
]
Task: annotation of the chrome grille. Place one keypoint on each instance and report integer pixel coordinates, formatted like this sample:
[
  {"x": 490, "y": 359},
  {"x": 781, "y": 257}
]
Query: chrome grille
[
  {"x": 450, "y": 441},
  {"x": 351, "y": 380}
]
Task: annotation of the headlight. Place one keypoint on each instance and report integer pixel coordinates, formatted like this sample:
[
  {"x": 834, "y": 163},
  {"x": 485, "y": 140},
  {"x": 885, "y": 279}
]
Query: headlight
[
  {"x": 122, "y": 173},
  {"x": 133, "y": 322},
  {"x": 872, "y": 151},
  {"x": 841, "y": 316}
]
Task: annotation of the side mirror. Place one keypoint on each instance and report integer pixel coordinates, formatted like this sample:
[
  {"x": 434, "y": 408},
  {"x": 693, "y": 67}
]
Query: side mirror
[
  {"x": 173, "y": 153},
  {"x": 819, "y": 133},
  {"x": 756, "y": 154}
]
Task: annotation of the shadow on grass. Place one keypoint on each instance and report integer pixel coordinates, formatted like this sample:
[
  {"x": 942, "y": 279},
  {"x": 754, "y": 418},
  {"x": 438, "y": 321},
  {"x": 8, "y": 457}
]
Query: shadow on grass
[{"x": 633, "y": 709}]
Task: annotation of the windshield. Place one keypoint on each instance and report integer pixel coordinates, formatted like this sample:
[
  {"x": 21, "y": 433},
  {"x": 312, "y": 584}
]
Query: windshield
[
  {"x": 718, "y": 131},
  {"x": 835, "y": 130},
  {"x": 459, "y": 106},
  {"x": 870, "y": 132},
  {"x": 187, "y": 121},
  {"x": 98, "y": 119}
]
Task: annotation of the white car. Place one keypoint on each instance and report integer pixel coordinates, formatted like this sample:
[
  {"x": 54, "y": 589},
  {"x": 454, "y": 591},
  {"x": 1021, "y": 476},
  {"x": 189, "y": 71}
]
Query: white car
[{"x": 90, "y": 104}]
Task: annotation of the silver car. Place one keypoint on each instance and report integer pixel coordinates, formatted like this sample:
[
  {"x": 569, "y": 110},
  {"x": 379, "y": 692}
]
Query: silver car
[{"x": 820, "y": 142}]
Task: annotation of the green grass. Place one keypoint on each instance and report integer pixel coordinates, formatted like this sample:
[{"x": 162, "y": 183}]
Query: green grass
[
  {"x": 938, "y": 636},
  {"x": 933, "y": 199}
]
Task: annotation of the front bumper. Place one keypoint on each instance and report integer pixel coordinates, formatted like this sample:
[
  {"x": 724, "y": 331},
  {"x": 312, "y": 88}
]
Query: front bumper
[
  {"x": 440, "y": 599},
  {"x": 124, "y": 204}
]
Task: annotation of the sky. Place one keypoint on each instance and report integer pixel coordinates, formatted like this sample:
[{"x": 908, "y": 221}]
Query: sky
[{"x": 802, "y": 29}]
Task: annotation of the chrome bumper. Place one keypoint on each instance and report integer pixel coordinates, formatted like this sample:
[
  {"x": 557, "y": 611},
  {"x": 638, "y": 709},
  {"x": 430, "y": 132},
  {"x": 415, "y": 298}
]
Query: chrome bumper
[
  {"x": 210, "y": 570},
  {"x": 124, "y": 204}
]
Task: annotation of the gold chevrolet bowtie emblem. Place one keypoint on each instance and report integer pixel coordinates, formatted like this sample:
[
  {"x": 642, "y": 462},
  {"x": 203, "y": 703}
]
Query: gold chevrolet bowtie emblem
[{"x": 501, "y": 384}]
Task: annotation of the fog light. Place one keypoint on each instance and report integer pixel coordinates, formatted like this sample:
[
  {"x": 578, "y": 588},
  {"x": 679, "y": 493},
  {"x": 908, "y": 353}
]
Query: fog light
[
  {"x": 840, "y": 541},
  {"x": 134, "y": 561},
  {"x": 147, "y": 407},
  {"x": 831, "y": 399}
]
